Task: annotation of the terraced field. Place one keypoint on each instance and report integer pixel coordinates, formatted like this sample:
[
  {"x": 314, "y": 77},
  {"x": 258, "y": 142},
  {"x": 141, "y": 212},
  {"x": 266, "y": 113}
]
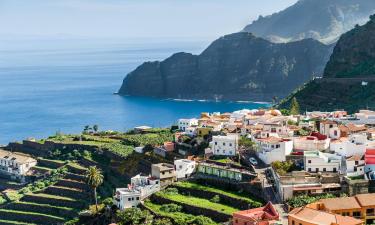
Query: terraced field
[
  {"x": 196, "y": 199},
  {"x": 55, "y": 204}
]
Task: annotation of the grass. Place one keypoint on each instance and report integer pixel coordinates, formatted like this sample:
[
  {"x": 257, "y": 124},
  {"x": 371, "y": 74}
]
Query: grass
[
  {"x": 42, "y": 195},
  {"x": 30, "y": 213},
  {"x": 42, "y": 168},
  {"x": 178, "y": 217},
  {"x": 15, "y": 222},
  {"x": 231, "y": 194},
  {"x": 203, "y": 203},
  {"x": 31, "y": 204}
]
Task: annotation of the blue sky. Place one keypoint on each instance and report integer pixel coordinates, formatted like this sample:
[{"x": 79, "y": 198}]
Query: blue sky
[{"x": 132, "y": 18}]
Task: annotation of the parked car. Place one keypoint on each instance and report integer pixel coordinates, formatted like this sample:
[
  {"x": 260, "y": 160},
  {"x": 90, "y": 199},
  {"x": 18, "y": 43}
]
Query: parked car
[{"x": 253, "y": 161}]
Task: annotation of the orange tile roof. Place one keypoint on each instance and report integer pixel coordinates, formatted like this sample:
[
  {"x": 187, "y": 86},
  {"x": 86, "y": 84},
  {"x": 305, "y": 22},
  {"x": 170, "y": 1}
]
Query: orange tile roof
[
  {"x": 314, "y": 216},
  {"x": 366, "y": 199},
  {"x": 333, "y": 204}
]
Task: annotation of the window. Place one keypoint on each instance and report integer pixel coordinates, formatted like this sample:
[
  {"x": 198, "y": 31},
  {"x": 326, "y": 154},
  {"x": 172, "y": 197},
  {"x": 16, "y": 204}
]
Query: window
[
  {"x": 138, "y": 198},
  {"x": 215, "y": 143},
  {"x": 309, "y": 161},
  {"x": 309, "y": 169},
  {"x": 162, "y": 173},
  {"x": 335, "y": 133},
  {"x": 129, "y": 199},
  {"x": 230, "y": 144},
  {"x": 230, "y": 152},
  {"x": 357, "y": 214},
  {"x": 223, "y": 143},
  {"x": 324, "y": 169},
  {"x": 316, "y": 169},
  {"x": 293, "y": 223},
  {"x": 334, "y": 169},
  {"x": 356, "y": 162},
  {"x": 355, "y": 169}
]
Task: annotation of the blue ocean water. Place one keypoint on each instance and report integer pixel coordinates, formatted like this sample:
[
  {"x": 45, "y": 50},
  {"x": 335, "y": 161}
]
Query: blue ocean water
[{"x": 62, "y": 85}]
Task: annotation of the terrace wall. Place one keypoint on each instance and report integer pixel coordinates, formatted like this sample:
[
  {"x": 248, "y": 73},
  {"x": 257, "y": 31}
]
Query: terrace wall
[
  {"x": 239, "y": 203},
  {"x": 194, "y": 210}
]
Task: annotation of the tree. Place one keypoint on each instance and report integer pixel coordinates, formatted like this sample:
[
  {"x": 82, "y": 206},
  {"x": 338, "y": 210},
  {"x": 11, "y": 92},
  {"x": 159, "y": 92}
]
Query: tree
[
  {"x": 95, "y": 128},
  {"x": 94, "y": 179},
  {"x": 294, "y": 107},
  {"x": 246, "y": 142},
  {"x": 134, "y": 216}
]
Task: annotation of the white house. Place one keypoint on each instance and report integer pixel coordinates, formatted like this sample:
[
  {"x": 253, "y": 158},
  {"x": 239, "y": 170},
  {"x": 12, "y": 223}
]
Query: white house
[
  {"x": 146, "y": 185},
  {"x": 355, "y": 144},
  {"x": 274, "y": 149},
  {"x": 326, "y": 126},
  {"x": 15, "y": 165},
  {"x": 191, "y": 131},
  {"x": 185, "y": 123},
  {"x": 225, "y": 145},
  {"x": 355, "y": 165},
  {"x": 184, "y": 168},
  {"x": 316, "y": 161},
  {"x": 140, "y": 188},
  {"x": 127, "y": 198},
  {"x": 311, "y": 143}
]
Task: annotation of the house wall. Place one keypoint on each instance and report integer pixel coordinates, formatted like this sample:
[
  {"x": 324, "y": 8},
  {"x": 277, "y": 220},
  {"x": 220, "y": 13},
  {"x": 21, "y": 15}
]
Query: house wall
[
  {"x": 225, "y": 145},
  {"x": 184, "y": 168},
  {"x": 321, "y": 164}
]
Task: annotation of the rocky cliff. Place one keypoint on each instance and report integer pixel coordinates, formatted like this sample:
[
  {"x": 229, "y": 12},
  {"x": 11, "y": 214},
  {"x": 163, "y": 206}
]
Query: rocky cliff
[
  {"x": 239, "y": 66},
  {"x": 349, "y": 78},
  {"x": 323, "y": 20}
]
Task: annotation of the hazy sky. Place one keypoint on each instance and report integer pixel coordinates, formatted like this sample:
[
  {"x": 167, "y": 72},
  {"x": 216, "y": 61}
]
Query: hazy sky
[{"x": 132, "y": 18}]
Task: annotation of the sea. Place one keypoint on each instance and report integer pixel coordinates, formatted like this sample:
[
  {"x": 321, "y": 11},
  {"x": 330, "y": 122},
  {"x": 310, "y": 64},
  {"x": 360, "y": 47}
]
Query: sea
[{"x": 50, "y": 85}]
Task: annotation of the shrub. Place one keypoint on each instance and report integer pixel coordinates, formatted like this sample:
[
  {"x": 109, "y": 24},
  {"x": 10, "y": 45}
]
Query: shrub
[
  {"x": 171, "y": 208},
  {"x": 215, "y": 199},
  {"x": 302, "y": 200},
  {"x": 163, "y": 221},
  {"x": 201, "y": 220},
  {"x": 171, "y": 191}
]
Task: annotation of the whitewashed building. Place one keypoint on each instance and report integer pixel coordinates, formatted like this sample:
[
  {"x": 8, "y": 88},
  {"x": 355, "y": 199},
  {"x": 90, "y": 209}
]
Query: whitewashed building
[
  {"x": 316, "y": 161},
  {"x": 185, "y": 123},
  {"x": 15, "y": 165},
  {"x": 310, "y": 143},
  {"x": 140, "y": 188},
  {"x": 127, "y": 198},
  {"x": 184, "y": 168},
  {"x": 355, "y": 166},
  {"x": 274, "y": 149},
  {"x": 225, "y": 145},
  {"x": 355, "y": 144}
]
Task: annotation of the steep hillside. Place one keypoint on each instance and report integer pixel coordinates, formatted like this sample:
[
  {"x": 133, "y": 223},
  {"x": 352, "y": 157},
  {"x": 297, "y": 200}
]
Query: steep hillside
[
  {"x": 323, "y": 20},
  {"x": 349, "y": 78},
  {"x": 239, "y": 66}
]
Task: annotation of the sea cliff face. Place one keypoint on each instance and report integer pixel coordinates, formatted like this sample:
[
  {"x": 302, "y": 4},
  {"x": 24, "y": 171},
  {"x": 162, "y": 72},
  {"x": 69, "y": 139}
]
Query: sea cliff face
[
  {"x": 323, "y": 20},
  {"x": 349, "y": 78},
  {"x": 238, "y": 66}
]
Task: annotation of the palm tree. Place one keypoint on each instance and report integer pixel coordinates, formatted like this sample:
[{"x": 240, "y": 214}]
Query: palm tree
[{"x": 94, "y": 179}]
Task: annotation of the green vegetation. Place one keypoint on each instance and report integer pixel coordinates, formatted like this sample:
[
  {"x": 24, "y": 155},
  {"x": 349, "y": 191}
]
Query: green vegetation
[
  {"x": 294, "y": 107},
  {"x": 285, "y": 167},
  {"x": 179, "y": 218},
  {"x": 94, "y": 179},
  {"x": 171, "y": 208},
  {"x": 302, "y": 200},
  {"x": 31, "y": 213},
  {"x": 194, "y": 201},
  {"x": 243, "y": 196},
  {"x": 14, "y": 222},
  {"x": 246, "y": 142}
]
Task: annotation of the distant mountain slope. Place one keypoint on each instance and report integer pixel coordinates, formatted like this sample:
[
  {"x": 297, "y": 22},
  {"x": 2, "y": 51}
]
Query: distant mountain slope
[
  {"x": 323, "y": 20},
  {"x": 239, "y": 66},
  {"x": 349, "y": 78}
]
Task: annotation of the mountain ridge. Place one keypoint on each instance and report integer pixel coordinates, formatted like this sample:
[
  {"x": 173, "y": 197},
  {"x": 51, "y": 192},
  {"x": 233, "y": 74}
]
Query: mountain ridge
[
  {"x": 323, "y": 20},
  {"x": 238, "y": 66}
]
